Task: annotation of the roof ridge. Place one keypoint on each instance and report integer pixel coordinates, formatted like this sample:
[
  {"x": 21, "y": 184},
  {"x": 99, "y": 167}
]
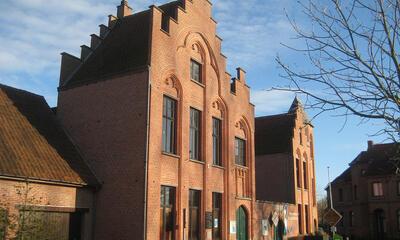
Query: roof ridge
[{"x": 20, "y": 90}]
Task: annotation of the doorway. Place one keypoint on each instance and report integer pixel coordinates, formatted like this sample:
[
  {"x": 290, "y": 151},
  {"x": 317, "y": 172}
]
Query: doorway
[{"x": 241, "y": 222}]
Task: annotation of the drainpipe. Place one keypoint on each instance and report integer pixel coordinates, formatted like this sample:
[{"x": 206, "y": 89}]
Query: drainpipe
[{"x": 146, "y": 161}]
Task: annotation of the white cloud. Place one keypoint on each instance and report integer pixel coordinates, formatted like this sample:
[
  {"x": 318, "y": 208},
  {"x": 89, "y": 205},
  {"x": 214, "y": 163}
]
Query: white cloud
[{"x": 271, "y": 102}]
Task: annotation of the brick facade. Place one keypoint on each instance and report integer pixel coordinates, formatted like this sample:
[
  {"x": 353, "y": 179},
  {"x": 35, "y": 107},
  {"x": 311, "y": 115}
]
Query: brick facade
[
  {"x": 116, "y": 120},
  {"x": 354, "y": 197},
  {"x": 285, "y": 158}
]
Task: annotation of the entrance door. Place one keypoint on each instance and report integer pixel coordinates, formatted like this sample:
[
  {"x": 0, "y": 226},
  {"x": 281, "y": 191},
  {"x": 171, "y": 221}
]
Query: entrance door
[
  {"x": 241, "y": 224},
  {"x": 379, "y": 220}
]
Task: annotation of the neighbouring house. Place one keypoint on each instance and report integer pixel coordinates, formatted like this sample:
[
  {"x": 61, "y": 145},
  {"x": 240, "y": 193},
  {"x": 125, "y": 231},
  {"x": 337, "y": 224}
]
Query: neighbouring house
[
  {"x": 167, "y": 130},
  {"x": 285, "y": 171},
  {"x": 367, "y": 195},
  {"x": 46, "y": 189}
]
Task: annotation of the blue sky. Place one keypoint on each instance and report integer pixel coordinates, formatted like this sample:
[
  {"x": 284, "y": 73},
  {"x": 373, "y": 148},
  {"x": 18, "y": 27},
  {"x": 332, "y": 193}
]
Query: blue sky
[{"x": 33, "y": 34}]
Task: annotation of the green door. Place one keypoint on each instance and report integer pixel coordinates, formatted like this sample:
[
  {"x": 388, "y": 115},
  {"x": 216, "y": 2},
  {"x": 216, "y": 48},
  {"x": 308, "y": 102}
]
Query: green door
[{"x": 241, "y": 224}]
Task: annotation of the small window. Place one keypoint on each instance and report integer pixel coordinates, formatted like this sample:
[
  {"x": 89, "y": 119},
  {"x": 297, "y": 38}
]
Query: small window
[
  {"x": 300, "y": 218},
  {"x": 355, "y": 192},
  {"x": 194, "y": 214},
  {"x": 240, "y": 152},
  {"x": 217, "y": 142},
  {"x": 217, "y": 216},
  {"x": 195, "y": 138},
  {"x": 398, "y": 220},
  {"x": 305, "y": 177},
  {"x": 351, "y": 218},
  {"x": 195, "y": 71},
  {"x": 298, "y": 176},
  {"x": 169, "y": 125},
  {"x": 398, "y": 188},
  {"x": 341, "y": 222},
  {"x": 167, "y": 213},
  {"x": 377, "y": 189},
  {"x": 307, "y": 215},
  {"x": 341, "y": 195}
]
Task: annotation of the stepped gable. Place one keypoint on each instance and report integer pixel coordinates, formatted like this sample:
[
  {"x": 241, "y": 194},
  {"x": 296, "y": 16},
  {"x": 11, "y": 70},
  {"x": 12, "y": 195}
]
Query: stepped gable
[
  {"x": 273, "y": 134},
  {"x": 120, "y": 47},
  {"x": 33, "y": 145},
  {"x": 124, "y": 48}
]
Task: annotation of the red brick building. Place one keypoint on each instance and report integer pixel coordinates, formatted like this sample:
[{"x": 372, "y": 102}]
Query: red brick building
[
  {"x": 285, "y": 169},
  {"x": 165, "y": 128},
  {"x": 367, "y": 195},
  {"x": 42, "y": 174}
]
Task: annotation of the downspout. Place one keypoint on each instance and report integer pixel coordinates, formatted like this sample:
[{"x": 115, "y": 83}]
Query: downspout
[{"x": 146, "y": 161}]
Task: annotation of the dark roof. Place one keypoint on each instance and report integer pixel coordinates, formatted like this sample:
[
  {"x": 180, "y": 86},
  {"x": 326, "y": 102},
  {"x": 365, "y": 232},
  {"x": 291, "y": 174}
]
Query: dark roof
[
  {"x": 124, "y": 49},
  {"x": 344, "y": 177},
  {"x": 32, "y": 143},
  {"x": 273, "y": 134},
  {"x": 379, "y": 158}
]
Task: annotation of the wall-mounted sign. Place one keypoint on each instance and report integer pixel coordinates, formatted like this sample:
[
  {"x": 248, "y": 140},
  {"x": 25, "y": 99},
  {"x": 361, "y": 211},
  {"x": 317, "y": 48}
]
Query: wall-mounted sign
[
  {"x": 264, "y": 227},
  {"x": 232, "y": 227},
  {"x": 209, "y": 220}
]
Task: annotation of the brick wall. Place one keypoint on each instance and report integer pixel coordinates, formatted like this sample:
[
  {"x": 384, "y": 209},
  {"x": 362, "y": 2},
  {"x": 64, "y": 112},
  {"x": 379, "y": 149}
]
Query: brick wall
[{"x": 107, "y": 120}]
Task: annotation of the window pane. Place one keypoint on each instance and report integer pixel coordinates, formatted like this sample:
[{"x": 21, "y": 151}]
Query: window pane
[
  {"x": 298, "y": 173},
  {"x": 194, "y": 138},
  {"x": 169, "y": 125},
  {"x": 167, "y": 213},
  {"x": 217, "y": 216},
  {"x": 305, "y": 175},
  {"x": 194, "y": 214},
  {"x": 240, "y": 152},
  {"x": 377, "y": 189},
  {"x": 195, "y": 71},
  {"x": 398, "y": 188},
  {"x": 217, "y": 142},
  {"x": 398, "y": 220},
  {"x": 300, "y": 218}
]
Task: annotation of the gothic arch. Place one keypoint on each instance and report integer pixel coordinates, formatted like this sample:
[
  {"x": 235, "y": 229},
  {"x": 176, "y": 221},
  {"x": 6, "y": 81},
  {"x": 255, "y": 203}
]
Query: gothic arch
[
  {"x": 195, "y": 37},
  {"x": 171, "y": 81}
]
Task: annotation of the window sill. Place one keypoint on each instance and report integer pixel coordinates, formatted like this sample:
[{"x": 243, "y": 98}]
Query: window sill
[
  {"x": 217, "y": 166},
  {"x": 170, "y": 155},
  {"x": 196, "y": 161},
  {"x": 244, "y": 198},
  {"x": 198, "y": 83},
  {"x": 240, "y": 166}
]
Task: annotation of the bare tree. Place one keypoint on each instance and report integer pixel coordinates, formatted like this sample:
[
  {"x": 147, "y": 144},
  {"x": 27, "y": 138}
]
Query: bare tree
[{"x": 352, "y": 53}]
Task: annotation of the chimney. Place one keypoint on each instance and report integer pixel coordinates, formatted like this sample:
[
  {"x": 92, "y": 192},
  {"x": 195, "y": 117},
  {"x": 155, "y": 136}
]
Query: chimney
[
  {"x": 124, "y": 10},
  {"x": 370, "y": 144}
]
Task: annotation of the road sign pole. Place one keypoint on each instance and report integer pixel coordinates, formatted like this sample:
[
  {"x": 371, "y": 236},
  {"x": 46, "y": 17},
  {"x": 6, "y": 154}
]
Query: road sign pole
[{"x": 333, "y": 229}]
